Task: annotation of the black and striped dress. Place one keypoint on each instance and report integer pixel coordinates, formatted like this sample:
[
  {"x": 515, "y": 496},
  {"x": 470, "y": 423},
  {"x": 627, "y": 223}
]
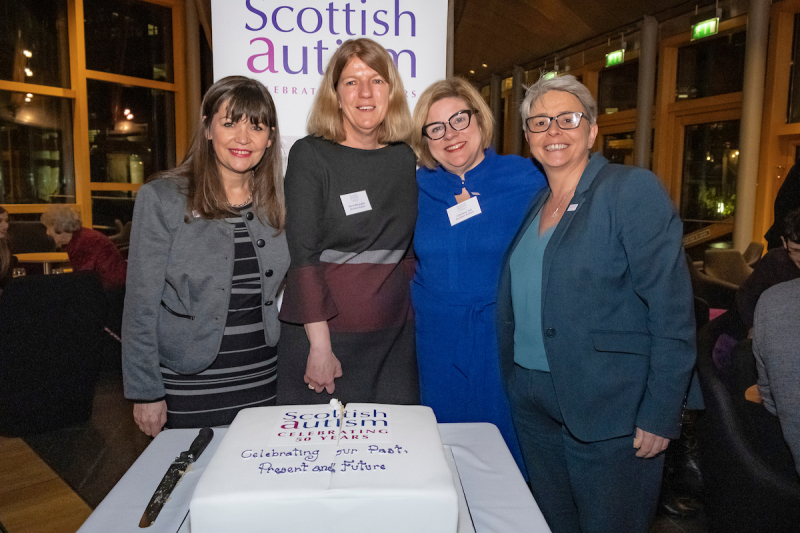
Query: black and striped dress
[{"x": 245, "y": 370}]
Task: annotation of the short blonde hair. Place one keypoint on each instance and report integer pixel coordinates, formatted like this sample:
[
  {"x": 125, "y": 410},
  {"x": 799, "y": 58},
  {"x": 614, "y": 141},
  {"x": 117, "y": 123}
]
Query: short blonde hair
[
  {"x": 62, "y": 218},
  {"x": 449, "y": 88},
  {"x": 325, "y": 118}
]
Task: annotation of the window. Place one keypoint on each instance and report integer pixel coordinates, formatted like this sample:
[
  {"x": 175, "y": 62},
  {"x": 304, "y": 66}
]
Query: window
[
  {"x": 618, "y": 147},
  {"x": 129, "y": 37},
  {"x": 618, "y": 88},
  {"x": 131, "y": 132},
  {"x": 712, "y": 67},
  {"x": 33, "y": 42},
  {"x": 36, "y": 164},
  {"x": 710, "y": 169}
]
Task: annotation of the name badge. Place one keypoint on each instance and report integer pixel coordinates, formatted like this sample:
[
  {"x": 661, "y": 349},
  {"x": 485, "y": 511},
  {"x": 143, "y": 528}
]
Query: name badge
[
  {"x": 463, "y": 211},
  {"x": 355, "y": 202}
]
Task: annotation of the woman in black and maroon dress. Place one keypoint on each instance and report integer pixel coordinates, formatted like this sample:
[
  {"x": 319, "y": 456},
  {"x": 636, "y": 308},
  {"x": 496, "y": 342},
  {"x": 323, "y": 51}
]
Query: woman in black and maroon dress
[{"x": 351, "y": 205}]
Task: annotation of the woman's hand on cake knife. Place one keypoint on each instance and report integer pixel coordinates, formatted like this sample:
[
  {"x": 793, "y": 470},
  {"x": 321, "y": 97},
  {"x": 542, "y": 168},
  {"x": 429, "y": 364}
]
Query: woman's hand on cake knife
[
  {"x": 322, "y": 366},
  {"x": 150, "y": 417}
]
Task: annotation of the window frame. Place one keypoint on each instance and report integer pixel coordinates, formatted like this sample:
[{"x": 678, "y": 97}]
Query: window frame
[{"x": 77, "y": 93}]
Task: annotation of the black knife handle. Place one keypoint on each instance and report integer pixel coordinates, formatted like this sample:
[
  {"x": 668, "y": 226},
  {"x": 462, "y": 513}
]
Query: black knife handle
[{"x": 199, "y": 443}]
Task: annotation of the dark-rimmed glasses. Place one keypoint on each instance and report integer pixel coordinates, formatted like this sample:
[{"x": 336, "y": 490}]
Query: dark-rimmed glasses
[
  {"x": 565, "y": 121},
  {"x": 459, "y": 121}
]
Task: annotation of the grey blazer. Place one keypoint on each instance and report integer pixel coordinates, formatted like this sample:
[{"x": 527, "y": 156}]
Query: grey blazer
[{"x": 179, "y": 285}]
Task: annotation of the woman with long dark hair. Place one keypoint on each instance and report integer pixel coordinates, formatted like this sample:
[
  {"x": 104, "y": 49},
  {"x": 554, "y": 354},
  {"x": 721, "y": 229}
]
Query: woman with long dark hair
[{"x": 206, "y": 259}]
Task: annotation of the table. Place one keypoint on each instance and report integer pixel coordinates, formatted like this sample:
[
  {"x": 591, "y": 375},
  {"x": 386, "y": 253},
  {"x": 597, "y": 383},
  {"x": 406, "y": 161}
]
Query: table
[
  {"x": 498, "y": 498},
  {"x": 46, "y": 259}
]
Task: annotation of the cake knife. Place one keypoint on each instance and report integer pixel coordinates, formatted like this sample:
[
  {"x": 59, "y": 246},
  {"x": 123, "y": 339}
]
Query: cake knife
[{"x": 174, "y": 474}]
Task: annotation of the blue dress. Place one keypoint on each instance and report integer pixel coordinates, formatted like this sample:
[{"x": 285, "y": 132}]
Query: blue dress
[{"x": 455, "y": 285}]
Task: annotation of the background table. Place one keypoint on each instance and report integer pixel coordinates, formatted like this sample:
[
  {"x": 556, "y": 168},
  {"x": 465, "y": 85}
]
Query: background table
[
  {"x": 498, "y": 498},
  {"x": 45, "y": 258}
]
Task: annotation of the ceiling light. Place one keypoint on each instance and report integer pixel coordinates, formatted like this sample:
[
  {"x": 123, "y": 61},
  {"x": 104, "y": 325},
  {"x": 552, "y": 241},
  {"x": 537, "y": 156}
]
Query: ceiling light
[
  {"x": 27, "y": 99},
  {"x": 472, "y": 72},
  {"x": 29, "y": 95},
  {"x": 126, "y": 112},
  {"x": 485, "y": 65},
  {"x": 27, "y": 53},
  {"x": 129, "y": 116},
  {"x": 28, "y": 72}
]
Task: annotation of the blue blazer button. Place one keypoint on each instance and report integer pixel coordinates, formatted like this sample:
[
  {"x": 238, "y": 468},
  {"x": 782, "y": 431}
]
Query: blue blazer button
[{"x": 550, "y": 332}]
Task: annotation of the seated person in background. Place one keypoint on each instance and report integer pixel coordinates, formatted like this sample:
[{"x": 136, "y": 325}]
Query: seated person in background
[
  {"x": 776, "y": 346},
  {"x": 88, "y": 250},
  {"x": 787, "y": 200},
  {"x": 779, "y": 265}
]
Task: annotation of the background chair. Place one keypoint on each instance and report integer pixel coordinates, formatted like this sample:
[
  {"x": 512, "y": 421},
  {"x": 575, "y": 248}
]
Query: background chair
[
  {"x": 51, "y": 344},
  {"x": 750, "y": 483},
  {"x": 717, "y": 293},
  {"x": 726, "y": 265},
  {"x": 753, "y": 253}
]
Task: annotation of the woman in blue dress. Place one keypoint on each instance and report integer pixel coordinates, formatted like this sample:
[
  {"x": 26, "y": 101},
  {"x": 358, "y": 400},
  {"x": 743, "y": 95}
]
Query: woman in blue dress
[{"x": 471, "y": 202}]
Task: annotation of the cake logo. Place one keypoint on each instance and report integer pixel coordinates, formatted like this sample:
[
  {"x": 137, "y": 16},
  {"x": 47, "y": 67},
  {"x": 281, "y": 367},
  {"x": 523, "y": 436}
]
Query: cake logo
[{"x": 324, "y": 424}]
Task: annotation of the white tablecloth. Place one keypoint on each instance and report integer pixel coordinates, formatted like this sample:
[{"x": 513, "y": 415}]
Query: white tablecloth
[{"x": 498, "y": 499}]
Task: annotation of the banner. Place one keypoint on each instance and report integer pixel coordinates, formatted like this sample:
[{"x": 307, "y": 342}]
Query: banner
[{"x": 286, "y": 45}]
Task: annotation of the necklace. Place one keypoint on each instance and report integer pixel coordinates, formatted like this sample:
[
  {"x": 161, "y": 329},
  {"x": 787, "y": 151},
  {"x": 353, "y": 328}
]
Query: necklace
[
  {"x": 553, "y": 215},
  {"x": 237, "y": 206}
]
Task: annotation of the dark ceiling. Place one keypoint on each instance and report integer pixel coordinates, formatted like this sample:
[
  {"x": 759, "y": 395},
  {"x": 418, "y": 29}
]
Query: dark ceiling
[{"x": 504, "y": 33}]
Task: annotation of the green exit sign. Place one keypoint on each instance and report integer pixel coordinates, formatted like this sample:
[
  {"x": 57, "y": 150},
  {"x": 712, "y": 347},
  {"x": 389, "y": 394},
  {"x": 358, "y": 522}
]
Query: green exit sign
[
  {"x": 617, "y": 57},
  {"x": 705, "y": 28},
  {"x": 549, "y": 75}
]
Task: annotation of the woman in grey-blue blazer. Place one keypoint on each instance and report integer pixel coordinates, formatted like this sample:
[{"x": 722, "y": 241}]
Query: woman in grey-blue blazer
[
  {"x": 595, "y": 324},
  {"x": 207, "y": 257}
]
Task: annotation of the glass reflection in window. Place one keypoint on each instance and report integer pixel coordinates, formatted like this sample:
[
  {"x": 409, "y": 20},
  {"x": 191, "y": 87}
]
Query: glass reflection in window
[
  {"x": 710, "y": 170},
  {"x": 618, "y": 147},
  {"x": 34, "y": 42},
  {"x": 711, "y": 67},
  {"x": 131, "y": 132},
  {"x": 129, "y": 37},
  {"x": 36, "y": 164},
  {"x": 110, "y": 209},
  {"x": 618, "y": 88}
]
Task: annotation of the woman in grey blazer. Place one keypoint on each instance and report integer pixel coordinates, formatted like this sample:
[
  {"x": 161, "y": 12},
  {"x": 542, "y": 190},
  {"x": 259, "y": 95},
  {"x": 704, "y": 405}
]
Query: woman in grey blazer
[
  {"x": 595, "y": 324},
  {"x": 207, "y": 256}
]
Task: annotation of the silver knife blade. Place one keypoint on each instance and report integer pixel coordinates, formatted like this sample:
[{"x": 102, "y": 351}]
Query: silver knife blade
[{"x": 174, "y": 474}]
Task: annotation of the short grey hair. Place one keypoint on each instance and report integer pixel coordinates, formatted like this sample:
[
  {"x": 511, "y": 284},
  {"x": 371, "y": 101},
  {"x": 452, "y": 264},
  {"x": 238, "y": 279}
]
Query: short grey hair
[
  {"x": 568, "y": 84},
  {"x": 62, "y": 218}
]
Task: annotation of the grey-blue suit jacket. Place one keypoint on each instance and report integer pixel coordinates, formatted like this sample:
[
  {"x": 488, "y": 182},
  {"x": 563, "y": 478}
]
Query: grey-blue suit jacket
[{"x": 617, "y": 310}]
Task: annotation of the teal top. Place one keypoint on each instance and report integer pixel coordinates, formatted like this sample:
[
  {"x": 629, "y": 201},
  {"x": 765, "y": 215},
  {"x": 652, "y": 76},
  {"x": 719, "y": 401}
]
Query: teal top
[{"x": 526, "y": 297}]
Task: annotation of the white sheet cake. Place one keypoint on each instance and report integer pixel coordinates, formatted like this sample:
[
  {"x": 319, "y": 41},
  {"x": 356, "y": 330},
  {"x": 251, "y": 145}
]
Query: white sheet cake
[{"x": 380, "y": 468}]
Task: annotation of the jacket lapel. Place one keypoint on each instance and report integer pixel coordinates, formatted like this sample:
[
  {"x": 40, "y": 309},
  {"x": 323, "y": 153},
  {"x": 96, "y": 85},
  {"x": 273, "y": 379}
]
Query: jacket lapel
[{"x": 596, "y": 164}]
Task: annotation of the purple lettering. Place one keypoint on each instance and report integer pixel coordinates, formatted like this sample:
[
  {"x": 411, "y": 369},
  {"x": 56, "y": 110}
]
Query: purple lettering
[
  {"x": 257, "y": 12},
  {"x": 300, "y": 20},
  {"x": 275, "y": 17},
  {"x": 381, "y": 22},
  {"x": 398, "y": 14}
]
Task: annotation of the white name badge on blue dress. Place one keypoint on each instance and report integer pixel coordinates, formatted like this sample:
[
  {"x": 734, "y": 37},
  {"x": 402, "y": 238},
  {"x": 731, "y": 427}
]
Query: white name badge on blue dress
[
  {"x": 355, "y": 202},
  {"x": 464, "y": 210}
]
